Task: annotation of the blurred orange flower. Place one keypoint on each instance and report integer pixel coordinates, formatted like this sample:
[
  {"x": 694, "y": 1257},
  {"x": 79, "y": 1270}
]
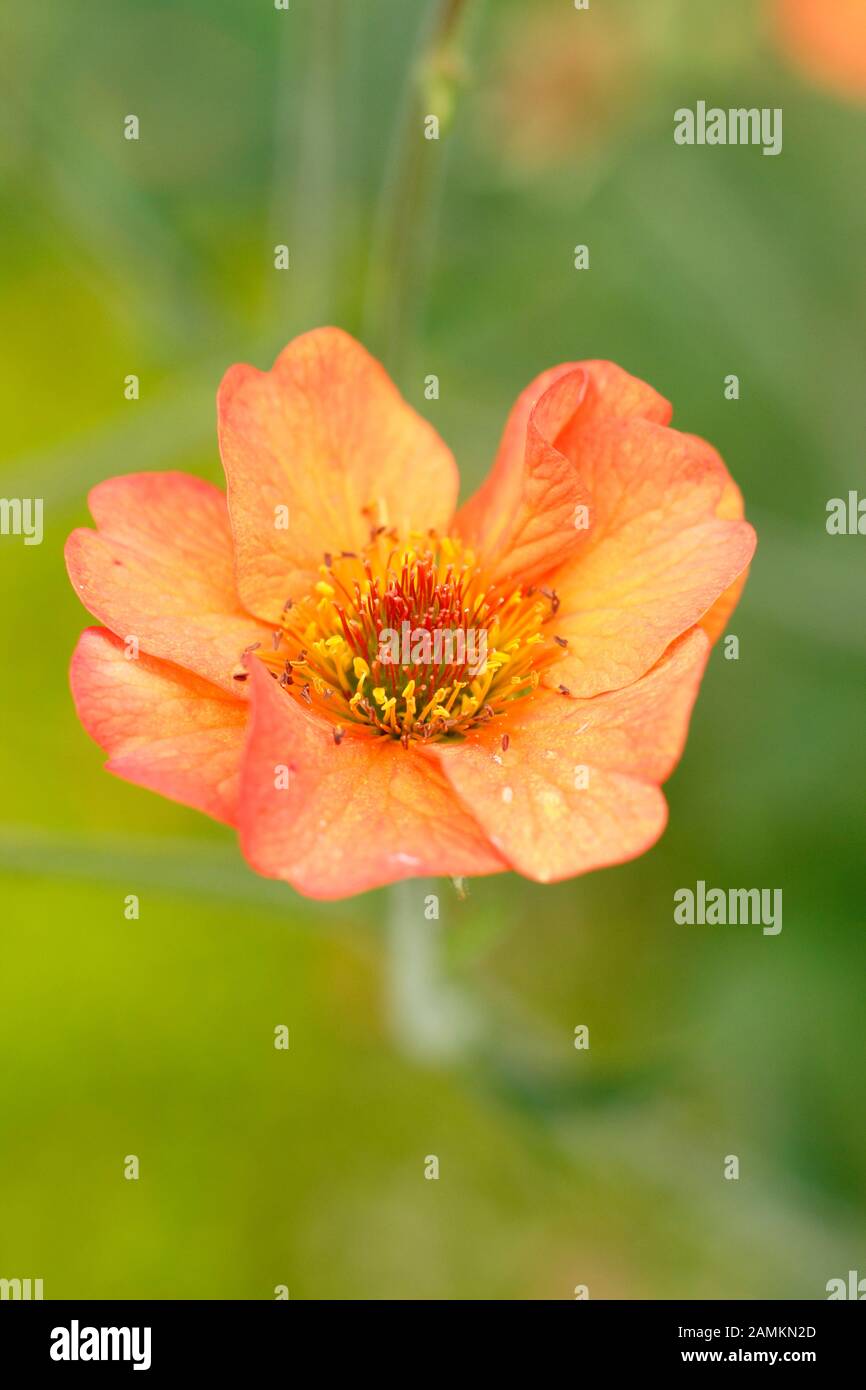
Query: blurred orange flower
[
  {"x": 826, "y": 39},
  {"x": 561, "y": 84},
  {"x": 241, "y": 668}
]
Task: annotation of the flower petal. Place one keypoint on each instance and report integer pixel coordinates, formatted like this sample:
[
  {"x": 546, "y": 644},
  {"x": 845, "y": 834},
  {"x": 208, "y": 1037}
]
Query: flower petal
[
  {"x": 522, "y": 520},
  {"x": 162, "y": 727},
  {"x": 160, "y": 568},
  {"x": 326, "y": 435},
  {"x": 663, "y": 547},
  {"x": 715, "y": 619},
  {"x": 353, "y": 816},
  {"x": 531, "y": 798}
]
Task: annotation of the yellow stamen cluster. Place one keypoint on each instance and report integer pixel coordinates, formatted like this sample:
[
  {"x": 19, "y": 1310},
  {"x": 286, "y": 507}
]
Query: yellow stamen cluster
[{"x": 407, "y": 640}]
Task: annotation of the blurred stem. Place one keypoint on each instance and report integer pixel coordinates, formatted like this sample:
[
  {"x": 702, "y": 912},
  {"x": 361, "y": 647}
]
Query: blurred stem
[
  {"x": 304, "y": 209},
  {"x": 406, "y": 214},
  {"x": 430, "y": 1020}
]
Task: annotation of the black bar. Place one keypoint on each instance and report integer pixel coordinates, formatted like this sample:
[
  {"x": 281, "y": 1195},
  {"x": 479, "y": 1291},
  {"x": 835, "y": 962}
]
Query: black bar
[{"x": 220, "y": 1338}]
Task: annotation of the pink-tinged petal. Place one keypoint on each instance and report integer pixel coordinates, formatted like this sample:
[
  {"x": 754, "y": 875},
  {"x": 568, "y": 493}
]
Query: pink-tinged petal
[
  {"x": 577, "y": 787},
  {"x": 715, "y": 620},
  {"x": 162, "y": 727},
  {"x": 662, "y": 550},
  {"x": 160, "y": 568},
  {"x": 316, "y": 451},
  {"x": 522, "y": 519},
  {"x": 614, "y": 394},
  {"x": 353, "y": 816}
]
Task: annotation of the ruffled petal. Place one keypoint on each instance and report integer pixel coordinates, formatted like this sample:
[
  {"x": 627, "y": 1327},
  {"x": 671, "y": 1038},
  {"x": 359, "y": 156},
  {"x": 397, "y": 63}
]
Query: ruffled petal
[
  {"x": 162, "y": 727},
  {"x": 337, "y": 820},
  {"x": 577, "y": 787},
  {"x": 160, "y": 568},
  {"x": 524, "y": 519},
  {"x": 316, "y": 452},
  {"x": 715, "y": 620},
  {"x": 663, "y": 549}
]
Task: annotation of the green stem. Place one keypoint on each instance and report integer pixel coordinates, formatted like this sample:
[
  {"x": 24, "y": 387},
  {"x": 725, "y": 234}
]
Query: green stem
[
  {"x": 406, "y": 216},
  {"x": 430, "y": 1020},
  {"x": 304, "y": 208}
]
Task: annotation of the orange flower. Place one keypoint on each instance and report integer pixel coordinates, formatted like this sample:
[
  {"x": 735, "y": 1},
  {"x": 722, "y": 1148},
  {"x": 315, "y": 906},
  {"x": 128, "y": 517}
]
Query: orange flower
[
  {"x": 826, "y": 39},
  {"x": 600, "y": 558},
  {"x": 560, "y": 87}
]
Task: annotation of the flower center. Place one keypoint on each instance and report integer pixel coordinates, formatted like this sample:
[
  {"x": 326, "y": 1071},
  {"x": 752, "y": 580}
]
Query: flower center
[{"x": 408, "y": 640}]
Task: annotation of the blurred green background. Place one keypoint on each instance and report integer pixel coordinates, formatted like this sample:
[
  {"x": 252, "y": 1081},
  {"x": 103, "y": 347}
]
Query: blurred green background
[{"x": 557, "y": 1167}]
